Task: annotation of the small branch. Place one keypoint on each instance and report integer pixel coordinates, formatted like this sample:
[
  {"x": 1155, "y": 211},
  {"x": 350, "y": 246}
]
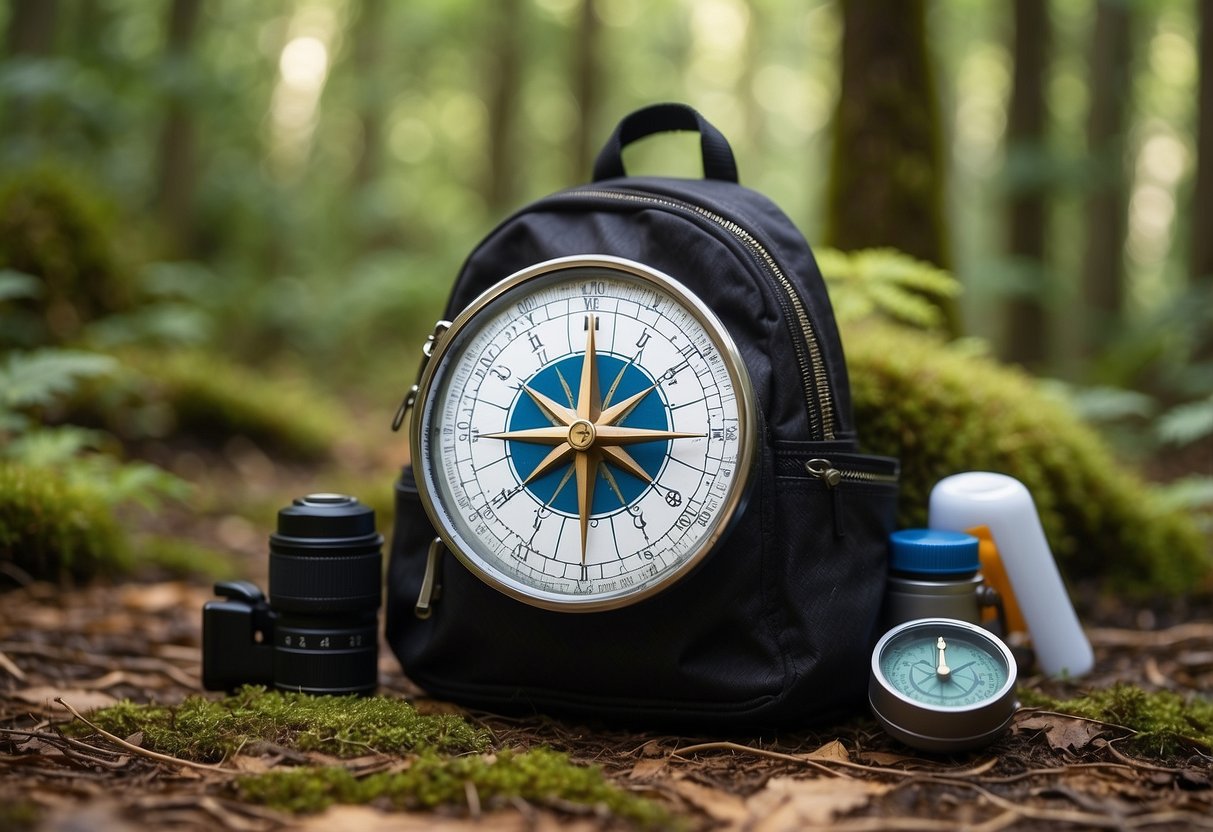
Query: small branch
[
  {"x": 760, "y": 752},
  {"x": 142, "y": 752},
  {"x": 7, "y": 665}
]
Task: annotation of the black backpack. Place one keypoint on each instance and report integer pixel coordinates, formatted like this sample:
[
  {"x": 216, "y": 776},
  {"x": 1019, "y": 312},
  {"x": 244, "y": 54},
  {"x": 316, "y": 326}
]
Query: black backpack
[{"x": 776, "y": 624}]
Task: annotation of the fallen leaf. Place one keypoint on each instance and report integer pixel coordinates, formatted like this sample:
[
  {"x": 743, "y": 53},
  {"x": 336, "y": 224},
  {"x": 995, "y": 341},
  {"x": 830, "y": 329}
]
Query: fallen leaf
[
  {"x": 832, "y": 750},
  {"x": 647, "y": 768},
  {"x": 792, "y": 804},
  {"x": 1063, "y": 733},
  {"x": 716, "y": 803},
  {"x": 157, "y": 597}
]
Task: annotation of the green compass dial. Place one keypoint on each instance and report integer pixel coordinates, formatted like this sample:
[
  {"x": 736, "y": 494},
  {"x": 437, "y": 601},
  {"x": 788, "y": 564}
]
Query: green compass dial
[{"x": 942, "y": 685}]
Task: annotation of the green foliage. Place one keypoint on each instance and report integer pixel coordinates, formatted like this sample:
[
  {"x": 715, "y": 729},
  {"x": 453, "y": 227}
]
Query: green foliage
[
  {"x": 1164, "y": 723},
  {"x": 210, "y": 398},
  {"x": 887, "y": 283},
  {"x": 181, "y": 558},
  {"x": 65, "y": 449},
  {"x": 346, "y": 726},
  {"x": 55, "y": 528},
  {"x": 39, "y": 377},
  {"x": 19, "y": 815},
  {"x": 1187, "y": 423},
  {"x": 943, "y": 411},
  {"x": 55, "y": 228},
  {"x": 538, "y": 776}
]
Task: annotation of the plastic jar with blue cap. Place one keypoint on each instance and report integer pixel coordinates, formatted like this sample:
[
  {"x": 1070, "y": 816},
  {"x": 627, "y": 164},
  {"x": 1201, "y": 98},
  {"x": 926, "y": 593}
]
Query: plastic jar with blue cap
[{"x": 935, "y": 574}]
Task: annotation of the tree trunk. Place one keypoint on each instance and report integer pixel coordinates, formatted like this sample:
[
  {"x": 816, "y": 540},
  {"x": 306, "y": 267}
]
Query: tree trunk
[
  {"x": 1027, "y": 338},
  {"x": 1103, "y": 271},
  {"x": 368, "y": 43},
  {"x": 30, "y": 34},
  {"x": 887, "y": 170},
  {"x": 1202, "y": 194},
  {"x": 587, "y": 87},
  {"x": 503, "y": 39},
  {"x": 174, "y": 198},
  {"x": 31, "y": 27}
]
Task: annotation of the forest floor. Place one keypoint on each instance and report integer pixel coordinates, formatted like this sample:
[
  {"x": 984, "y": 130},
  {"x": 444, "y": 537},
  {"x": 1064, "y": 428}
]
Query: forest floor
[{"x": 89, "y": 647}]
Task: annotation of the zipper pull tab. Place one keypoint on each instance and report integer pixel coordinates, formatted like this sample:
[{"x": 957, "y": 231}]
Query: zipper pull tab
[
  {"x": 825, "y": 471},
  {"x": 431, "y": 582}
]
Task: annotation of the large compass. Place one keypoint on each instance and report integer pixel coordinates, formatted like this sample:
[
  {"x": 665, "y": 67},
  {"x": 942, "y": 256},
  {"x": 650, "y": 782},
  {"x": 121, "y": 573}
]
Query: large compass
[{"x": 583, "y": 433}]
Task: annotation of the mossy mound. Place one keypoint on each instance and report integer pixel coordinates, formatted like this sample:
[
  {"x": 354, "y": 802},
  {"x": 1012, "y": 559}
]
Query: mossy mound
[
  {"x": 448, "y": 759},
  {"x": 210, "y": 399},
  {"x": 345, "y": 726},
  {"x": 54, "y": 227},
  {"x": 539, "y": 776},
  {"x": 943, "y": 411},
  {"x": 1165, "y": 723},
  {"x": 55, "y": 529}
]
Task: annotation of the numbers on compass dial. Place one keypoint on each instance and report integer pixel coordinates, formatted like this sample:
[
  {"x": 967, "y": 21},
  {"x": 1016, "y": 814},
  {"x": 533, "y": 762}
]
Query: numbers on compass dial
[{"x": 583, "y": 438}]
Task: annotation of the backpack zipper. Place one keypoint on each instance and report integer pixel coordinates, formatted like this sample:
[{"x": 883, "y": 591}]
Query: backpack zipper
[
  {"x": 825, "y": 471},
  {"x": 819, "y": 401}
]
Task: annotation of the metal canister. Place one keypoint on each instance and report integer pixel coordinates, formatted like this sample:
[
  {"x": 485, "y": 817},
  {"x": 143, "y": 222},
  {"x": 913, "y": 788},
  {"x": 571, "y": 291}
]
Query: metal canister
[{"x": 936, "y": 574}]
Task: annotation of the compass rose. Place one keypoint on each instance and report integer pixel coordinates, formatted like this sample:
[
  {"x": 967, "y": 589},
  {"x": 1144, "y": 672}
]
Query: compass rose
[{"x": 587, "y": 434}]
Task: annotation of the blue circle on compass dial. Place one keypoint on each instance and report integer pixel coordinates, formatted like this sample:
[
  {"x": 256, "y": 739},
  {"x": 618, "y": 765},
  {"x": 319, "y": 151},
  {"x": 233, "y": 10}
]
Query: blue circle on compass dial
[{"x": 617, "y": 379}]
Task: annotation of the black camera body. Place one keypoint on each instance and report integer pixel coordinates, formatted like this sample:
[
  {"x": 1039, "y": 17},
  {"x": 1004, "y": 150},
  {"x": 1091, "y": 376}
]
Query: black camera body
[{"x": 318, "y": 632}]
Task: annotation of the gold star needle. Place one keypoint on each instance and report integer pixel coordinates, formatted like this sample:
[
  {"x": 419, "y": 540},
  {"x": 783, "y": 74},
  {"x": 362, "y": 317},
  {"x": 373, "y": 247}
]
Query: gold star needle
[
  {"x": 624, "y": 460},
  {"x": 589, "y": 403},
  {"x": 619, "y": 411},
  {"x": 558, "y": 456},
  {"x": 551, "y": 408},
  {"x": 585, "y": 463},
  {"x": 616, "y": 435},
  {"x": 543, "y": 436}
]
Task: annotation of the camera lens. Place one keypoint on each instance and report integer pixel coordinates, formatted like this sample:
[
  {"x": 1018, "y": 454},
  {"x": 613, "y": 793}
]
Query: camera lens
[{"x": 325, "y": 585}]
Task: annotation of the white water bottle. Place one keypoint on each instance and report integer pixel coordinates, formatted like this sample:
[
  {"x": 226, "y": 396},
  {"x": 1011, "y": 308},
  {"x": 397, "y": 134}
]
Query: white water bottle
[{"x": 1003, "y": 504}]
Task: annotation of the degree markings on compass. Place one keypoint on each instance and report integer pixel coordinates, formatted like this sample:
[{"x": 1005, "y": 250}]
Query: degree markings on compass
[{"x": 477, "y": 469}]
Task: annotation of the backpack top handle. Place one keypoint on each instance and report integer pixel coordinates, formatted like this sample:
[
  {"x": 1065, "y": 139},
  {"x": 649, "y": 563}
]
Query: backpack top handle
[{"x": 718, "y": 162}]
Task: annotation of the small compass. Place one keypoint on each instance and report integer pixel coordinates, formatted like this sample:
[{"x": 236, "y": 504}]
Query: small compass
[{"x": 939, "y": 684}]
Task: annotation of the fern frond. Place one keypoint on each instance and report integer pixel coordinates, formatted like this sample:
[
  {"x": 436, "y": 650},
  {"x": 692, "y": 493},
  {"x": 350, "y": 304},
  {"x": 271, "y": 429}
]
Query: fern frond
[{"x": 37, "y": 377}]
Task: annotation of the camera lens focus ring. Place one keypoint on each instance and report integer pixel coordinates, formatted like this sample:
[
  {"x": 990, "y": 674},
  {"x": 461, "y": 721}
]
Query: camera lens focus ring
[{"x": 328, "y": 582}]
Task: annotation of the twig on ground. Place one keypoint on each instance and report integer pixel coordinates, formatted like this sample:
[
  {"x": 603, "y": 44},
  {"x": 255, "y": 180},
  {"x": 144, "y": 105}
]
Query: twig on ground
[{"x": 142, "y": 752}]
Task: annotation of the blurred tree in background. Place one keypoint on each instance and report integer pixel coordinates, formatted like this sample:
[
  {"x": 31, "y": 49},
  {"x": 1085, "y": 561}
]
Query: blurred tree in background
[{"x": 305, "y": 177}]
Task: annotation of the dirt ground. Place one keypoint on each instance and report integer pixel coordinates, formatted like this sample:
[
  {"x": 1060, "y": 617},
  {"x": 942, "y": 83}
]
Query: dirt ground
[{"x": 92, "y": 646}]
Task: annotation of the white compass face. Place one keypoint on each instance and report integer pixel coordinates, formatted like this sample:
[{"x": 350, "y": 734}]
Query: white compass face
[{"x": 583, "y": 433}]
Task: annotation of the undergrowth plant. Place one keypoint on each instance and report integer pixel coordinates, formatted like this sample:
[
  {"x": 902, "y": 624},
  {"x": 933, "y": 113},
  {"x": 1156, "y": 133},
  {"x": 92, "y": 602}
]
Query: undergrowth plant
[
  {"x": 447, "y": 758},
  {"x": 945, "y": 407},
  {"x": 1161, "y": 723}
]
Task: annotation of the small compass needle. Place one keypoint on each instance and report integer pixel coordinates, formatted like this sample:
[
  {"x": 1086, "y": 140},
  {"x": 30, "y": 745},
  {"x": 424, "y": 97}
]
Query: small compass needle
[{"x": 942, "y": 671}]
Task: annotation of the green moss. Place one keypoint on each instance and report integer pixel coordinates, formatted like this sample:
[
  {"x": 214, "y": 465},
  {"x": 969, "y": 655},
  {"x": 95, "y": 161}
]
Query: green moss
[
  {"x": 539, "y": 776},
  {"x": 184, "y": 558},
  {"x": 18, "y": 815},
  {"x": 210, "y": 398},
  {"x": 346, "y": 726},
  {"x": 55, "y": 529},
  {"x": 54, "y": 227},
  {"x": 1166, "y": 724},
  {"x": 943, "y": 411}
]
